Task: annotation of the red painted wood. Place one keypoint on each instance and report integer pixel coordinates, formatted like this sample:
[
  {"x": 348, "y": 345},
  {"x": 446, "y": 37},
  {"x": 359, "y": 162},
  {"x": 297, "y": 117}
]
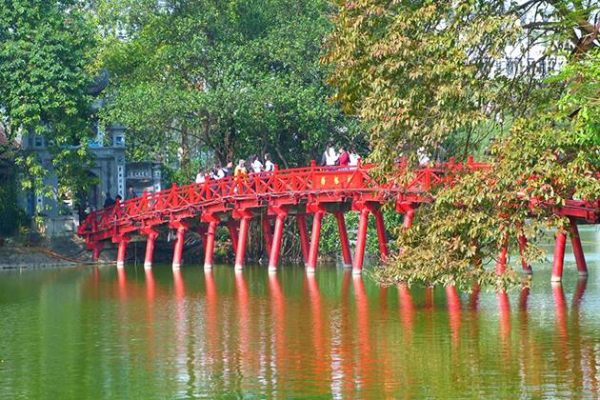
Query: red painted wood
[{"x": 344, "y": 242}]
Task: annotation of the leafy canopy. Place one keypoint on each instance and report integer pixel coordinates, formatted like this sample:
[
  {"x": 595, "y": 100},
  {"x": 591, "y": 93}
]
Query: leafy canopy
[
  {"x": 45, "y": 48},
  {"x": 419, "y": 73},
  {"x": 231, "y": 77}
]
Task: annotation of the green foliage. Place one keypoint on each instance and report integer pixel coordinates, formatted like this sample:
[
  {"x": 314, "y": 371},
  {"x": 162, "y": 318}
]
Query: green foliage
[
  {"x": 231, "y": 77},
  {"x": 419, "y": 74},
  {"x": 45, "y": 47},
  {"x": 330, "y": 239},
  {"x": 413, "y": 71}
]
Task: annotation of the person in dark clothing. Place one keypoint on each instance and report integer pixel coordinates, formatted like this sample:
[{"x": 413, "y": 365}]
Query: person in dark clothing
[
  {"x": 109, "y": 201},
  {"x": 130, "y": 193},
  {"x": 228, "y": 170}
]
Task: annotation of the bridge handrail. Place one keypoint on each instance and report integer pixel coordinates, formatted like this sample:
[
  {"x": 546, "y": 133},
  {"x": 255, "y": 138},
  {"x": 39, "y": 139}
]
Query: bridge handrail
[{"x": 311, "y": 180}]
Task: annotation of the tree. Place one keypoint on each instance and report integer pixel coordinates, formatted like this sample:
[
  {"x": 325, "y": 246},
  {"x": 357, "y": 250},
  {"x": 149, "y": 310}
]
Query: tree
[
  {"x": 231, "y": 77},
  {"x": 45, "y": 48},
  {"x": 423, "y": 74}
]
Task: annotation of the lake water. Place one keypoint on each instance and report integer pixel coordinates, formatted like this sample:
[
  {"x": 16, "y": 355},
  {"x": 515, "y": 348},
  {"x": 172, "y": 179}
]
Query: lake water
[{"x": 103, "y": 333}]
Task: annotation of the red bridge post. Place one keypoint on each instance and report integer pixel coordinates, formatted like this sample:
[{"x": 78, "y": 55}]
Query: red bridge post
[
  {"x": 346, "y": 253},
  {"x": 240, "y": 254},
  {"x": 559, "y": 256},
  {"x": 502, "y": 256},
  {"x": 179, "y": 242},
  {"x": 383, "y": 247},
  {"x": 232, "y": 227},
  {"x": 121, "y": 250},
  {"x": 577, "y": 248},
  {"x": 409, "y": 216},
  {"x": 304, "y": 245},
  {"x": 202, "y": 229},
  {"x": 522, "y": 239},
  {"x": 96, "y": 250},
  {"x": 151, "y": 236},
  {"x": 280, "y": 215},
  {"x": 361, "y": 240},
  {"x": 315, "y": 238},
  {"x": 209, "y": 247},
  {"x": 267, "y": 235}
]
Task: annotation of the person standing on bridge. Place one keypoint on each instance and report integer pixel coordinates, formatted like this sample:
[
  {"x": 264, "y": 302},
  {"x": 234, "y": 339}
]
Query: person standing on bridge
[
  {"x": 239, "y": 174},
  {"x": 330, "y": 156},
  {"x": 200, "y": 177},
  {"x": 269, "y": 166},
  {"x": 228, "y": 170},
  {"x": 354, "y": 157},
  {"x": 109, "y": 201},
  {"x": 257, "y": 166},
  {"x": 344, "y": 158},
  {"x": 130, "y": 193},
  {"x": 240, "y": 170}
]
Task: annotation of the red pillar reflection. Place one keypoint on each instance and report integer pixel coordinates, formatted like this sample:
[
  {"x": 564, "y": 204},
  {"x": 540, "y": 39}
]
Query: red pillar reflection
[
  {"x": 563, "y": 350},
  {"x": 407, "y": 310},
  {"x": 365, "y": 362},
  {"x": 429, "y": 298},
  {"x": 212, "y": 333},
  {"x": 279, "y": 358},
  {"x": 505, "y": 325},
  {"x": 322, "y": 360},
  {"x": 474, "y": 297},
  {"x": 523, "y": 297},
  {"x": 454, "y": 313},
  {"x": 150, "y": 295},
  {"x": 122, "y": 283},
  {"x": 243, "y": 303},
  {"x": 579, "y": 292},
  {"x": 346, "y": 340},
  {"x": 150, "y": 286},
  {"x": 178, "y": 284}
]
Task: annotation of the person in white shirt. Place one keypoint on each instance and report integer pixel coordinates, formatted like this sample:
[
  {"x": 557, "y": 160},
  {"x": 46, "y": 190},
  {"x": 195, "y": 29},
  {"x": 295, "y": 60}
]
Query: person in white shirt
[
  {"x": 269, "y": 166},
  {"x": 330, "y": 156},
  {"x": 200, "y": 177},
  {"x": 256, "y": 165},
  {"x": 354, "y": 157},
  {"x": 422, "y": 156},
  {"x": 219, "y": 173}
]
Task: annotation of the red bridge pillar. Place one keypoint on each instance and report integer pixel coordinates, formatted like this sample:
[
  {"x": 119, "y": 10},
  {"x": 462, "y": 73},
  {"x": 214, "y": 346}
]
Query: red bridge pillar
[
  {"x": 304, "y": 245},
  {"x": 232, "y": 227},
  {"x": 209, "y": 248},
  {"x": 346, "y": 253},
  {"x": 313, "y": 252},
  {"x": 121, "y": 249},
  {"x": 151, "y": 236},
  {"x": 179, "y": 242},
  {"x": 383, "y": 247},
  {"x": 409, "y": 216},
  {"x": 522, "y": 239},
  {"x": 280, "y": 214},
  {"x": 559, "y": 256},
  {"x": 502, "y": 256},
  {"x": 361, "y": 239},
  {"x": 202, "y": 229},
  {"x": 240, "y": 255},
  {"x": 577, "y": 248},
  {"x": 96, "y": 250},
  {"x": 267, "y": 235}
]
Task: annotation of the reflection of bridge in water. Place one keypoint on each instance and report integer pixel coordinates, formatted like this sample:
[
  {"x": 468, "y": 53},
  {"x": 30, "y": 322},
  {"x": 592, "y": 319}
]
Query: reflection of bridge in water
[
  {"x": 301, "y": 192},
  {"x": 352, "y": 345}
]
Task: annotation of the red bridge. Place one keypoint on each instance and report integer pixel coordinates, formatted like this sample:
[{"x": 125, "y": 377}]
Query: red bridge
[{"x": 297, "y": 192}]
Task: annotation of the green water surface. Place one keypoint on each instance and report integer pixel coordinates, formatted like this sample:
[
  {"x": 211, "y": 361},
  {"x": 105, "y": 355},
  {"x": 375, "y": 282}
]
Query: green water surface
[{"x": 103, "y": 333}]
